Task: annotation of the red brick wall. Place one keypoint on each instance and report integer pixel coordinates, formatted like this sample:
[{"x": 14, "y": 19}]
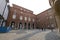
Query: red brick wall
[
  {"x": 18, "y": 14},
  {"x": 44, "y": 19}
]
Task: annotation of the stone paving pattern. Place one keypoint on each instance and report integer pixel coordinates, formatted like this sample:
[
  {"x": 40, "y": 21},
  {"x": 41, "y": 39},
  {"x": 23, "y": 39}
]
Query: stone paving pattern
[{"x": 29, "y": 35}]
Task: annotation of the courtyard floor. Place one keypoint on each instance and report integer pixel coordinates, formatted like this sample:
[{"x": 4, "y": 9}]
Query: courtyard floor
[{"x": 29, "y": 35}]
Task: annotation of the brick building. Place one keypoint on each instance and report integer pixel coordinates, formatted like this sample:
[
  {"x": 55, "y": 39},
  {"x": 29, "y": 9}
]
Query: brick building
[
  {"x": 21, "y": 18},
  {"x": 46, "y": 19}
]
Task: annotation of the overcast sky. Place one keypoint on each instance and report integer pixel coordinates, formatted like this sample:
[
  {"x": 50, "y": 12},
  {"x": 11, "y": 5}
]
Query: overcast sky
[{"x": 37, "y": 6}]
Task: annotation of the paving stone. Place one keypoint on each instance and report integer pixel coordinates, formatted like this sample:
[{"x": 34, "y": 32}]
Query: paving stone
[{"x": 29, "y": 35}]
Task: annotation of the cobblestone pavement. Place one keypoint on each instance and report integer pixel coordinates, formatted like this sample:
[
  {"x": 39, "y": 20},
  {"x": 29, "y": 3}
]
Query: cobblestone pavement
[{"x": 29, "y": 35}]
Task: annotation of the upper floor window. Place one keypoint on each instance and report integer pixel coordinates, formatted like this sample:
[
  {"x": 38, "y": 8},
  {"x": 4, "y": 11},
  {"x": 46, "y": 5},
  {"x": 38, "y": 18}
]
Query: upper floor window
[
  {"x": 25, "y": 18},
  {"x": 21, "y": 17},
  {"x": 29, "y": 19},
  {"x": 14, "y": 14}
]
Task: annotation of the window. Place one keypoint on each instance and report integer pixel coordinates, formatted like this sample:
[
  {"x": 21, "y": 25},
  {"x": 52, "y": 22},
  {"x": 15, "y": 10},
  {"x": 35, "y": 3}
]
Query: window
[
  {"x": 21, "y": 17},
  {"x": 21, "y": 12},
  {"x": 14, "y": 16},
  {"x": 25, "y": 18},
  {"x": 29, "y": 19}
]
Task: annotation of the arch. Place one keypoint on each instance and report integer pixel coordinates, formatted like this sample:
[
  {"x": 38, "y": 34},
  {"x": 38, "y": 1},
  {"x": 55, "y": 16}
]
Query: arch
[
  {"x": 33, "y": 25},
  {"x": 25, "y": 25},
  {"x": 20, "y": 26},
  {"x": 12, "y": 24},
  {"x": 28, "y": 25}
]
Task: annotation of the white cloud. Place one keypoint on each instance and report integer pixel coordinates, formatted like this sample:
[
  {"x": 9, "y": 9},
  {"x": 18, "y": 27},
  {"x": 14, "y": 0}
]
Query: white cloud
[{"x": 35, "y": 5}]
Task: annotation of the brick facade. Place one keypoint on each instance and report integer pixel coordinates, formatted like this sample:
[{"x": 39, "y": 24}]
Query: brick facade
[
  {"x": 22, "y": 18},
  {"x": 46, "y": 19}
]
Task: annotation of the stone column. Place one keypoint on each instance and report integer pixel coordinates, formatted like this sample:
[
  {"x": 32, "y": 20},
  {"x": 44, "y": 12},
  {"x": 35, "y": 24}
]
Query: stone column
[{"x": 27, "y": 26}]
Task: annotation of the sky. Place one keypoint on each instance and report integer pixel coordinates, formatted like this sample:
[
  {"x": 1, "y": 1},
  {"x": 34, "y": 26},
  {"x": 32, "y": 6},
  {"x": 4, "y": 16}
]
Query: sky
[{"x": 37, "y": 6}]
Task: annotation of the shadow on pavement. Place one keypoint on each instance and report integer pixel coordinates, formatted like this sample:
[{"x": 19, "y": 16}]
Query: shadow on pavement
[{"x": 52, "y": 36}]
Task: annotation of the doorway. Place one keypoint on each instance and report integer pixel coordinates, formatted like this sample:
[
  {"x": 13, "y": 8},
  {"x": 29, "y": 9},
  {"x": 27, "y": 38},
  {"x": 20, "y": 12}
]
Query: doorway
[
  {"x": 33, "y": 25},
  {"x": 25, "y": 25},
  {"x": 28, "y": 25},
  {"x": 12, "y": 24},
  {"x": 20, "y": 26}
]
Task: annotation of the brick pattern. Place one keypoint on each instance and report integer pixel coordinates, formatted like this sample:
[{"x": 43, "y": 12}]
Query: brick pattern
[
  {"x": 28, "y": 20},
  {"x": 20, "y": 11}
]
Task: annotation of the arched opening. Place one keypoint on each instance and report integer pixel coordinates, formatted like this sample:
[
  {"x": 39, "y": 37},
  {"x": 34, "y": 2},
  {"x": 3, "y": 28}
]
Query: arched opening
[
  {"x": 25, "y": 25},
  {"x": 28, "y": 25},
  {"x": 20, "y": 26},
  {"x": 12, "y": 24},
  {"x": 33, "y": 25}
]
